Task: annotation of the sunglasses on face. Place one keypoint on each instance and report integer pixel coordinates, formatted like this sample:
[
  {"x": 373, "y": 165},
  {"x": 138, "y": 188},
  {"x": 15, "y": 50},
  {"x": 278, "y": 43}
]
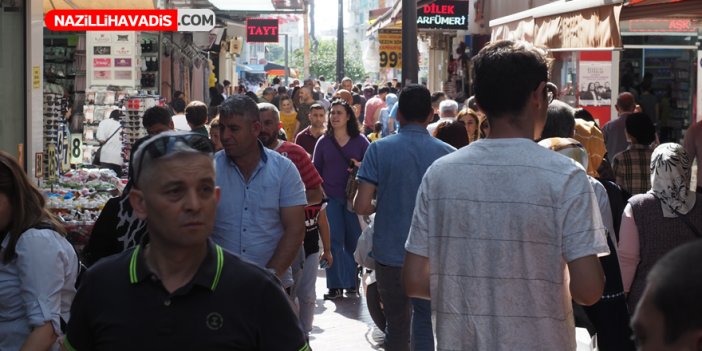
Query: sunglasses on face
[{"x": 164, "y": 145}]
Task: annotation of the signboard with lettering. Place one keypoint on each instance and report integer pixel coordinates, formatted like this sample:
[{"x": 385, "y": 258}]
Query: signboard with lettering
[
  {"x": 443, "y": 14},
  {"x": 390, "y": 48},
  {"x": 76, "y": 147},
  {"x": 262, "y": 30}
]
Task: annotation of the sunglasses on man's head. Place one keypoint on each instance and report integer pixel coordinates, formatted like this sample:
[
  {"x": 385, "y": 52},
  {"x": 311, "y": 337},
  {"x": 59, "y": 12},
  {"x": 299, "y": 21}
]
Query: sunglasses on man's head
[{"x": 163, "y": 145}]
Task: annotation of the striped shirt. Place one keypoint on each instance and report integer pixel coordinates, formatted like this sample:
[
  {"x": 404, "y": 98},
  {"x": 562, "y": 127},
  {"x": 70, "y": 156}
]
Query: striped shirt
[
  {"x": 498, "y": 247},
  {"x": 632, "y": 169},
  {"x": 303, "y": 162}
]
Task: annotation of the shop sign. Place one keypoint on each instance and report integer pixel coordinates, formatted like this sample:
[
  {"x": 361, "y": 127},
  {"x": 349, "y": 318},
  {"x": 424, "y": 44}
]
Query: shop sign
[
  {"x": 76, "y": 146},
  {"x": 662, "y": 25},
  {"x": 443, "y": 14},
  {"x": 390, "y": 48},
  {"x": 64, "y": 153},
  {"x": 171, "y": 20},
  {"x": 262, "y": 30}
]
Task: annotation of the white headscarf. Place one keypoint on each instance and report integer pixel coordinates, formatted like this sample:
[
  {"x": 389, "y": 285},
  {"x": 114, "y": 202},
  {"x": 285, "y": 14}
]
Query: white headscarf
[{"x": 670, "y": 179}]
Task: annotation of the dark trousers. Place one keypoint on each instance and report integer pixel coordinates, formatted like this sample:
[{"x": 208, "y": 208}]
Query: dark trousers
[
  {"x": 699, "y": 189},
  {"x": 396, "y": 306}
]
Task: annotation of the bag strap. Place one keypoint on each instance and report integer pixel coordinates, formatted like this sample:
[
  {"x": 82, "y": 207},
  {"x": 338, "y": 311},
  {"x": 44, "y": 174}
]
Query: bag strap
[
  {"x": 338, "y": 147},
  {"x": 113, "y": 134}
]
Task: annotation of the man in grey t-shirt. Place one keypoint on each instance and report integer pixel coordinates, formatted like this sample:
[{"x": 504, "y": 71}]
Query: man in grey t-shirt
[{"x": 492, "y": 255}]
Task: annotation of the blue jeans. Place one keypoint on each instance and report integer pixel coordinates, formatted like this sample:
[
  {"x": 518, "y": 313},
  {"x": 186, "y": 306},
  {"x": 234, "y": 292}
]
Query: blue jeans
[
  {"x": 422, "y": 332},
  {"x": 345, "y": 230}
]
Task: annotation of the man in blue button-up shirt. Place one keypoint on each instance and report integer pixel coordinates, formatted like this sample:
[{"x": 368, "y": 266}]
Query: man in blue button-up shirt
[
  {"x": 261, "y": 214},
  {"x": 392, "y": 171}
]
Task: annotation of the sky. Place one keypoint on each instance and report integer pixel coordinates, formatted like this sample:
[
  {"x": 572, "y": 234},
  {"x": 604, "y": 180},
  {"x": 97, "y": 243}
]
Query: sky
[{"x": 326, "y": 14}]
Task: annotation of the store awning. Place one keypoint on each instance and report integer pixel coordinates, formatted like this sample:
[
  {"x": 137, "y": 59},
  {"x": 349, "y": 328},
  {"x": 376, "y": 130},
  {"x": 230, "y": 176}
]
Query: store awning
[
  {"x": 638, "y": 9},
  {"x": 392, "y": 15},
  {"x": 569, "y": 25},
  {"x": 97, "y": 4}
]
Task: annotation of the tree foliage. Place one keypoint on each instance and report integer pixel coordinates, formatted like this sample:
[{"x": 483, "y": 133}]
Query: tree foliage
[{"x": 323, "y": 60}]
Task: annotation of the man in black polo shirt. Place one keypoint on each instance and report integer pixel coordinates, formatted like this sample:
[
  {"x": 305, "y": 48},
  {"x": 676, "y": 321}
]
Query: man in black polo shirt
[{"x": 177, "y": 290}]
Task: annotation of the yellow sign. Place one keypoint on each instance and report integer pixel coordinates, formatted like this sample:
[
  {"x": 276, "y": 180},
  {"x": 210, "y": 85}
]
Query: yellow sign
[
  {"x": 36, "y": 77},
  {"x": 390, "y": 48}
]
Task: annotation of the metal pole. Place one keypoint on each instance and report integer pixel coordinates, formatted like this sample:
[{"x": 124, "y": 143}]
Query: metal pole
[
  {"x": 287, "y": 68},
  {"x": 410, "y": 54},
  {"x": 340, "y": 44}
]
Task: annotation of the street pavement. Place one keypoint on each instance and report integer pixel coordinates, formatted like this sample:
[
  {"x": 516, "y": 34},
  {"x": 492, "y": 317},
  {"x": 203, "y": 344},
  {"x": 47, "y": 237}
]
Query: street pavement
[{"x": 343, "y": 324}]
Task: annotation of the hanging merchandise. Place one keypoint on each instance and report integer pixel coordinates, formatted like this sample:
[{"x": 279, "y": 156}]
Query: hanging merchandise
[
  {"x": 132, "y": 127},
  {"x": 56, "y": 135}
]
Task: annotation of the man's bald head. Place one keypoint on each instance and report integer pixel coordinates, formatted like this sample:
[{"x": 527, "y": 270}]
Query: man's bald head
[{"x": 626, "y": 102}]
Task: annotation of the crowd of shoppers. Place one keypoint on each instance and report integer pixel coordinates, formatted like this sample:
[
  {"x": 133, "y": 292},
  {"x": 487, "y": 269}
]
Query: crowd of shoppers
[{"x": 483, "y": 238}]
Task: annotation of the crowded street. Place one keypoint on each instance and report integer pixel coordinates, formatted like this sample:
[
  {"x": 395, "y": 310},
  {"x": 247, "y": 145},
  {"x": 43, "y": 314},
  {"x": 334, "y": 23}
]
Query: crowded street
[{"x": 398, "y": 175}]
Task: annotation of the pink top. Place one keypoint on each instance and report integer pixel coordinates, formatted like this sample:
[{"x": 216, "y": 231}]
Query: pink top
[
  {"x": 373, "y": 105},
  {"x": 693, "y": 146},
  {"x": 628, "y": 250}
]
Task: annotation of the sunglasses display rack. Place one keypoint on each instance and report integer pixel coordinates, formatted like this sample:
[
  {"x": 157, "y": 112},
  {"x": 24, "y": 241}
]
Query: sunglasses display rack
[
  {"x": 55, "y": 134},
  {"x": 132, "y": 128},
  {"x": 99, "y": 103}
]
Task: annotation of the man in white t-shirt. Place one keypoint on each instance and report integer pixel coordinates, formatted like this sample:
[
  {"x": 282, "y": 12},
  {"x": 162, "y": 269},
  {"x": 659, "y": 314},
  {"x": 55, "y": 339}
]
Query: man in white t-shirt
[
  {"x": 109, "y": 136},
  {"x": 448, "y": 109},
  {"x": 501, "y": 258},
  {"x": 180, "y": 122}
]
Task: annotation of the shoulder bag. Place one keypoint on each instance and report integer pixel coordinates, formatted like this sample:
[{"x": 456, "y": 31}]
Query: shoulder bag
[{"x": 96, "y": 156}]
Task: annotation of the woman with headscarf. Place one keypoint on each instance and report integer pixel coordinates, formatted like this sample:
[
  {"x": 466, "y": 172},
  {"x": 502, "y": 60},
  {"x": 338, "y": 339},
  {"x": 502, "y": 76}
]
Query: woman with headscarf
[
  {"x": 660, "y": 220},
  {"x": 609, "y": 316}
]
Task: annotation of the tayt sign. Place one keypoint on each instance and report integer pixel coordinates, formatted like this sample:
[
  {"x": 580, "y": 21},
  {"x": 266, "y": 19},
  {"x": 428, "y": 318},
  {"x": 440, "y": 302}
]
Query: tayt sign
[
  {"x": 262, "y": 30},
  {"x": 443, "y": 14}
]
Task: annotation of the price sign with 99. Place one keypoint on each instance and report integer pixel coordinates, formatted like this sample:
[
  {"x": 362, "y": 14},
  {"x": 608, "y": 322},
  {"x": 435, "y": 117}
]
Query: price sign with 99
[
  {"x": 389, "y": 59},
  {"x": 390, "y": 48}
]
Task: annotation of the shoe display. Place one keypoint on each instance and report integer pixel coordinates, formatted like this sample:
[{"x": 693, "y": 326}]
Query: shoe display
[
  {"x": 352, "y": 291},
  {"x": 333, "y": 294}
]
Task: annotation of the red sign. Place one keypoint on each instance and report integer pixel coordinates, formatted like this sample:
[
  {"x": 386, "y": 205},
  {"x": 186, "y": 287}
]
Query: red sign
[
  {"x": 137, "y": 20},
  {"x": 262, "y": 30}
]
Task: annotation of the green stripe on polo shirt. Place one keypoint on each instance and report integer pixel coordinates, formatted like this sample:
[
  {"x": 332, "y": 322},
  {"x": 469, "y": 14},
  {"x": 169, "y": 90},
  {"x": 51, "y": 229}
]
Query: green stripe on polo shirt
[
  {"x": 67, "y": 345},
  {"x": 132, "y": 265},
  {"x": 220, "y": 264},
  {"x": 305, "y": 348}
]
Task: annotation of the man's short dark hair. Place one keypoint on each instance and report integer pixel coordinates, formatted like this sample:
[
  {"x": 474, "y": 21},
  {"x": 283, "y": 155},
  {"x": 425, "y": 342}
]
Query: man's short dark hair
[
  {"x": 196, "y": 113},
  {"x": 584, "y": 114},
  {"x": 675, "y": 284},
  {"x": 383, "y": 90},
  {"x": 239, "y": 105},
  {"x": 639, "y": 126},
  {"x": 316, "y": 106},
  {"x": 282, "y": 90},
  {"x": 415, "y": 103},
  {"x": 276, "y": 80},
  {"x": 505, "y": 73},
  {"x": 268, "y": 90},
  {"x": 178, "y": 105},
  {"x": 560, "y": 121},
  {"x": 436, "y": 98},
  {"x": 226, "y": 83},
  {"x": 156, "y": 115}
]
